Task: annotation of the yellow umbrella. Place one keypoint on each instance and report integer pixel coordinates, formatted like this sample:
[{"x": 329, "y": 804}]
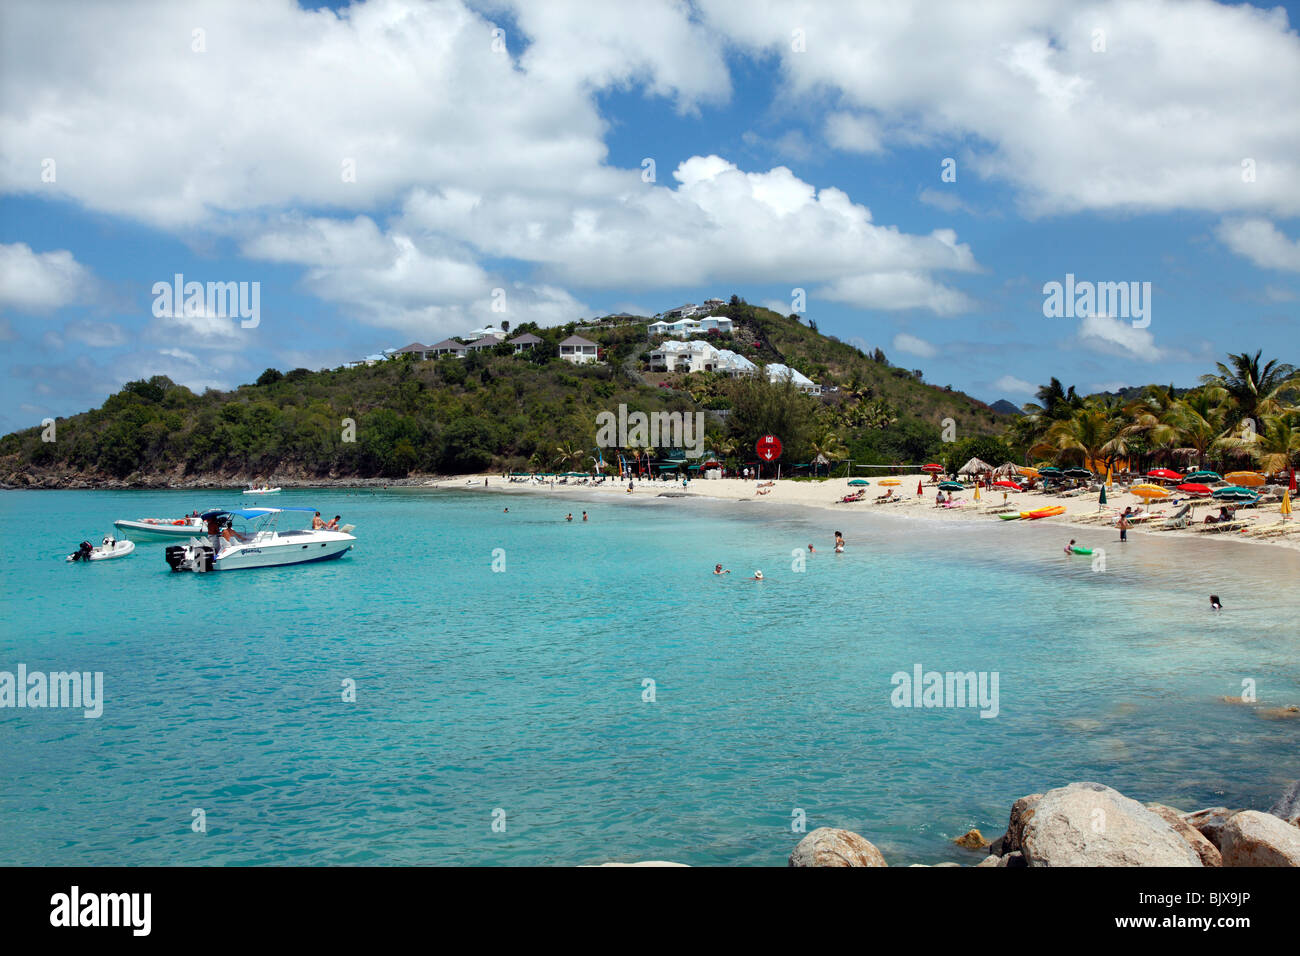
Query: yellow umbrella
[
  {"x": 1110, "y": 476},
  {"x": 889, "y": 481},
  {"x": 1149, "y": 491},
  {"x": 1248, "y": 479},
  {"x": 1028, "y": 472},
  {"x": 977, "y": 492},
  {"x": 1286, "y": 504}
]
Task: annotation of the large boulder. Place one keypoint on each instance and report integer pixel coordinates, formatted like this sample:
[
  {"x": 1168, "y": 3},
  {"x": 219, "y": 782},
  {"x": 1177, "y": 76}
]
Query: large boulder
[
  {"x": 1252, "y": 838},
  {"x": 1288, "y": 808},
  {"x": 1203, "y": 848},
  {"x": 972, "y": 840},
  {"x": 1210, "y": 822},
  {"x": 827, "y": 846},
  {"x": 1089, "y": 824}
]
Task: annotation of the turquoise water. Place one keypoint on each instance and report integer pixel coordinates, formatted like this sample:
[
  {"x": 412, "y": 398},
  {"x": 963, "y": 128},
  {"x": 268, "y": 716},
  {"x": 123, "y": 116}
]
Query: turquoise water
[{"x": 522, "y": 690}]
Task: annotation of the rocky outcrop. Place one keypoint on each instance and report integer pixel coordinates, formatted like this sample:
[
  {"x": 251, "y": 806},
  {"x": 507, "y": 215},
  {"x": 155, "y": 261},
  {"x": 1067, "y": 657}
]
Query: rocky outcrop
[
  {"x": 1088, "y": 824},
  {"x": 1203, "y": 848},
  {"x": 1021, "y": 811},
  {"x": 647, "y": 863},
  {"x": 972, "y": 840},
  {"x": 1210, "y": 822},
  {"x": 1288, "y": 807},
  {"x": 827, "y": 846},
  {"x": 1251, "y": 838}
]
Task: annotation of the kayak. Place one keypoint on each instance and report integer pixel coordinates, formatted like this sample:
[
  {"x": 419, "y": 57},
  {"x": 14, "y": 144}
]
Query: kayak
[
  {"x": 1078, "y": 550},
  {"x": 1014, "y": 516},
  {"x": 1043, "y": 513}
]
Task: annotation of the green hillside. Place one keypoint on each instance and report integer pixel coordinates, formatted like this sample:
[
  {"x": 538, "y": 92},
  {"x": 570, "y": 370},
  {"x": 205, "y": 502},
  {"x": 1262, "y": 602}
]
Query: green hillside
[{"x": 495, "y": 410}]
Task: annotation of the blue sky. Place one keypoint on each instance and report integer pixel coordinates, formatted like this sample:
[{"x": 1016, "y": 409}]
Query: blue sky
[{"x": 209, "y": 140}]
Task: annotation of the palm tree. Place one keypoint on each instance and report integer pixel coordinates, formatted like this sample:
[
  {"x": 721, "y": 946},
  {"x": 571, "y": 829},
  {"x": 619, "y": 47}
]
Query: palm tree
[
  {"x": 1254, "y": 390},
  {"x": 1198, "y": 420},
  {"x": 1095, "y": 432},
  {"x": 569, "y": 454},
  {"x": 1276, "y": 445},
  {"x": 827, "y": 443}
]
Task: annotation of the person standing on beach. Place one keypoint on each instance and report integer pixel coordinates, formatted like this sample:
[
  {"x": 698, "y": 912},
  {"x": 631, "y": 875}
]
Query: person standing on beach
[{"x": 1123, "y": 525}]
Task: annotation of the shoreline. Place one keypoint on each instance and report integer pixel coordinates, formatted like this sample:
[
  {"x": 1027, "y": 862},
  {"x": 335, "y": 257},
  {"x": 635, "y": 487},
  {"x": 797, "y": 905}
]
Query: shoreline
[{"x": 1262, "y": 525}]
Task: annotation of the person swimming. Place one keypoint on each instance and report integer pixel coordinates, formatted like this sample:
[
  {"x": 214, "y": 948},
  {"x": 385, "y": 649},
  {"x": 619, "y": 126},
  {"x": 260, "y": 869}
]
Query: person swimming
[
  {"x": 718, "y": 569},
  {"x": 758, "y": 576},
  {"x": 1069, "y": 548},
  {"x": 1215, "y": 604},
  {"x": 569, "y": 516},
  {"x": 584, "y": 516},
  {"x": 811, "y": 549}
]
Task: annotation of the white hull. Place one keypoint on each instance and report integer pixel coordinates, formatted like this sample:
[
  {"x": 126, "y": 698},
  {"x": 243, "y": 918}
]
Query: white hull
[
  {"x": 265, "y": 550},
  {"x": 159, "y": 529},
  {"x": 119, "y": 550},
  {"x": 260, "y": 491}
]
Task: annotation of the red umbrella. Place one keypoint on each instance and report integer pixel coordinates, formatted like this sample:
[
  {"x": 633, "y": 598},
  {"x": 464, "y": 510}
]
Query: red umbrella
[
  {"x": 918, "y": 489},
  {"x": 932, "y": 467},
  {"x": 1165, "y": 473},
  {"x": 1007, "y": 483},
  {"x": 1192, "y": 488},
  {"x": 1292, "y": 485}
]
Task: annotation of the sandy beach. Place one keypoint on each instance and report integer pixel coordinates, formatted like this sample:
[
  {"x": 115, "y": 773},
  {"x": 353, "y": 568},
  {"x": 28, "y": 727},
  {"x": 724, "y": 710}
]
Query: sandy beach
[{"x": 1262, "y": 524}]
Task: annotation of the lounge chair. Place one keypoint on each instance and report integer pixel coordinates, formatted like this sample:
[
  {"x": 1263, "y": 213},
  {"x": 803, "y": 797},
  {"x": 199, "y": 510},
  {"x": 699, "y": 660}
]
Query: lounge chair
[{"x": 1180, "y": 518}]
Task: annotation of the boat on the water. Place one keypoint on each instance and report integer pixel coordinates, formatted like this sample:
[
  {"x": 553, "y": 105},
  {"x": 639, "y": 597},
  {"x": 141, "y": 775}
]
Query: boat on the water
[
  {"x": 144, "y": 528},
  {"x": 264, "y": 490},
  {"x": 110, "y": 548},
  {"x": 263, "y": 545}
]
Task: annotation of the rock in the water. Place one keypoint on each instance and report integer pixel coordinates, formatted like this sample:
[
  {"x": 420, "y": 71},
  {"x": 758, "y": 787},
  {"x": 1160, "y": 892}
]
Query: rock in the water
[
  {"x": 1288, "y": 808},
  {"x": 1204, "y": 849},
  {"x": 1021, "y": 811},
  {"x": 990, "y": 861},
  {"x": 1252, "y": 838},
  {"x": 972, "y": 840},
  {"x": 1280, "y": 713},
  {"x": 827, "y": 846},
  {"x": 1209, "y": 822},
  {"x": 1088, "y": 824},
  {"x": 947, "y": 863}
]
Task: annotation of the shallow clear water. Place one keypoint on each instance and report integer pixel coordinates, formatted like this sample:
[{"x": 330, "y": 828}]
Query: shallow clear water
[{"x": 522, "y": 690}]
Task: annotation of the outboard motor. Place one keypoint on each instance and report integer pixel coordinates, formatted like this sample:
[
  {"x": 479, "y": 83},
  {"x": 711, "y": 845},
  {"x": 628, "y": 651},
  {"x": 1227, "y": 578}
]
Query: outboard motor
[
  {"x": 82, "y": 553},
  {"x": 187, "y": 557}
]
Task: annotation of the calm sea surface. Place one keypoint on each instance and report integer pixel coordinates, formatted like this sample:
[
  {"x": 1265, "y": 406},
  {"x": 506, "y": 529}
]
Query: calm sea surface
[{"x": 522, "y": 690}]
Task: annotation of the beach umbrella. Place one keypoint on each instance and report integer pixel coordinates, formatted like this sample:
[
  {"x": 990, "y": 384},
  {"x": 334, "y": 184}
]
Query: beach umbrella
[
  {"x": 1193, "y": 488},
  {"x": 1203, "y": 476},
  {"x": 1149, "y": 491},
  {"x": 1006, "y": 483},
  {"x": 887, "y": 482},
  {"x": 951, "y": 486},
  {"x": 1028, "y": 472},
  {"x": 1051, "y": 471},
  {"x": 1164, "y": 473},
  {"x": 1009, "y": 468},
  {"x": 1248, "y": 479},
  {"x": 932, "y": 468},
  {"x": 974, "y": 467},
  {"x": 1110, "y": 480},
  {"x": 1235, "y": 493},
  {"x": 1077, "y": 473},
  {"x": 1102, "y": 500},
  {"x": 859, "y": 482},
  {"x": 977, "y": 492},
  {"x": 919, "y": 491},
  {"x": 1286, "y": 504},
  {"x": 1292, "y": 484}
]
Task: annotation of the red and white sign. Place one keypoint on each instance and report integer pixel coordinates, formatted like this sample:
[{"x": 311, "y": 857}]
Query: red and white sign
[{"x": 768, "y": 448}]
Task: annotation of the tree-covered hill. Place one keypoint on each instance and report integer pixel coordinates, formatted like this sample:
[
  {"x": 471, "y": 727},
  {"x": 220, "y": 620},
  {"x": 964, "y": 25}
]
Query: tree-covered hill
[{"x": 495, "y": 410}]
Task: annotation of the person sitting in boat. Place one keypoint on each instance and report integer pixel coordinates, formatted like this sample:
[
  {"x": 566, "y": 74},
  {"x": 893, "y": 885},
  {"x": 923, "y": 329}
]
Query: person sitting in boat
[
  {"x": 333, "y": 524},
  {"x": 317, "y": 523},
  {"x": 231, "y": 536}
]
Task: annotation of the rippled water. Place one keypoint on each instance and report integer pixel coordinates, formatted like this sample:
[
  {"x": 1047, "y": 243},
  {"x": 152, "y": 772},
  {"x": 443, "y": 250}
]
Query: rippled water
[{"x": 522, "y": 690}]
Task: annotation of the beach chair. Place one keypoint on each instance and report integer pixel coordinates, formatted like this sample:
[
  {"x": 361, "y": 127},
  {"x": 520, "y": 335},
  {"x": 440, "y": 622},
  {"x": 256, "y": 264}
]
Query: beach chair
[{"x": 1180, "y": 518}]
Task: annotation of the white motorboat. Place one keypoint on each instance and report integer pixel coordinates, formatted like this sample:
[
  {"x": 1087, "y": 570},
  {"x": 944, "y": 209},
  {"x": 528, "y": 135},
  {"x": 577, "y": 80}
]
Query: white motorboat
[
  {"x": 263, "y": 545},
  {"x": 178, "y": 528},
  {"x": 264, "y": 490},
  {"x": 110, "y": 548}
]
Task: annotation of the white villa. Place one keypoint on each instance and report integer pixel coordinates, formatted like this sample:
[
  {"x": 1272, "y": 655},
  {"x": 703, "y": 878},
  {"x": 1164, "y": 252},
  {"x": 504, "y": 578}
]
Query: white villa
[
  {"x": 486, "y": 342},
  {"x": 579, "y": 351},
  {"x": 777, "y": 372},
  {"x": 525, "y": 341},
  {"x": 699, "y": 356},
  {"x": 447, "y": 347},
  {"x": 486, "y": 331},
  {"x": 683, "y": 327}
]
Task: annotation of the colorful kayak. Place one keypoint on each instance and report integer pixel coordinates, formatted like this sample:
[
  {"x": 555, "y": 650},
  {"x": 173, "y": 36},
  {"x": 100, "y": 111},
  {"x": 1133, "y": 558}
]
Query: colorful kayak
[
  {"x": 1014, "y": 516},
  {"x": 1043, "y": 513}
]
